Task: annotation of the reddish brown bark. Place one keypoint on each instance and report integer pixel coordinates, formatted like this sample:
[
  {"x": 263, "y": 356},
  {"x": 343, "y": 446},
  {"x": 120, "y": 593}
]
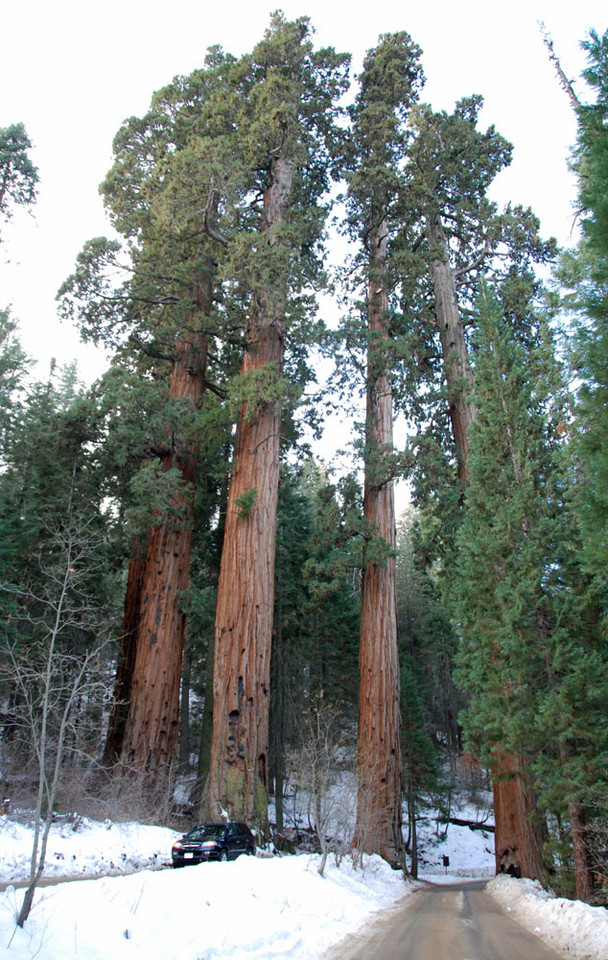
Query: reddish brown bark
[
  {"x": 517, "y": 842},
  {"x": 151, "y": 731},
  {"x": 457, "y": 370},
  {"x": 583, "y": 871},
  {"x": 243, "y": 630},
  {"x": 378, "y": 827},
  {"x": 126, "y": 658}
]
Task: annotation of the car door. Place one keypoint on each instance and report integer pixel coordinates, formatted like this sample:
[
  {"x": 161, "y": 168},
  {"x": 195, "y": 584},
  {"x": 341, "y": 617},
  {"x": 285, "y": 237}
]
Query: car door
[{"x": 233, "y": 840}]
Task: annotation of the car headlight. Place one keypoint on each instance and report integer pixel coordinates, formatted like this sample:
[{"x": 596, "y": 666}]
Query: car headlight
[
  {"x": 209, "y": 845},
  {"x": 178, "y": 845}
]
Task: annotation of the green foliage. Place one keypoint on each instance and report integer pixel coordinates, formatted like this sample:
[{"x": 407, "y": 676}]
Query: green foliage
[
  {"x": 451, "y": 166},
  {"x": 52, "y": 501},
  {"x": 159, "y": 498},
  {"x": 427, "y": 641},
  {"x": 584, "y": 274},
  {"x": 18, "y": 175},
  {"x": 316, "y": 557},
  {"x": 508, "y": 540},
  {"x": 252, "y": 391},
  {"x": 389, "y": 85},
  {"x": 14, "y": 364},
  {"x": 592, "y": 154},
  {"x": 532, "y": 656},
  {"x": 246, "y": 502},
  {"x": 420, "y": 757}
]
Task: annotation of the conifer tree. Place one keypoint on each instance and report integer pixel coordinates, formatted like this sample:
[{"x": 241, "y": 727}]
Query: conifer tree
[
  {"x": 162, "y": 317},
  {"x": 389, "y": 85},
  {"x": 520, "y": 604},
  {"x": 463, "y": 238},
  {"x": 586, "y": 274},
  {"x": 284, "y": 101},
  {"x": 503, "y": 542},
  {"x": 18, "y": 174}
]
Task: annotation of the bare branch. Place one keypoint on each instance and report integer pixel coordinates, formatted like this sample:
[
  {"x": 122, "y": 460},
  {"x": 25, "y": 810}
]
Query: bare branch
[{"x": 563, "y": 79}]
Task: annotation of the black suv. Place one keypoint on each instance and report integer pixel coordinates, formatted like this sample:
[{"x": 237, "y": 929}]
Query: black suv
[{"x": 213, "y": 841}]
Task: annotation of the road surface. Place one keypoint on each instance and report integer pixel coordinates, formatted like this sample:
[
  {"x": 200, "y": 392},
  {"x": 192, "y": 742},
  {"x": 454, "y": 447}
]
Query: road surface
[{"x": 460, "y": 922}]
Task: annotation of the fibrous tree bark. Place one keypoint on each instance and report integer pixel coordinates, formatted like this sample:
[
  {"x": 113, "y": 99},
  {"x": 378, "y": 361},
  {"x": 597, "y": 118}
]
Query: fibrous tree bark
[
  {"x": 517, "y": 840},
  {"x": 151, "y": 729},
  {"x": 456, "y": 366},
  {"x": 238, "y": 772},
  {"x": 379, "y": 766},
  {"x": 126, "y": 657},
  {"x": 285, "y": 98},
  {"x": 389, "y": 84}
]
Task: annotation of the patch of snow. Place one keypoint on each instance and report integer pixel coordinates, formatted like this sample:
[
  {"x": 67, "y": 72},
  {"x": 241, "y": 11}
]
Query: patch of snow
[{"x": 570, "y": 927}]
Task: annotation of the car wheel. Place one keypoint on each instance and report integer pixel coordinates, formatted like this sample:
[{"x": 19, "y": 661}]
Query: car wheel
[
  {"x": 250, "y": 851},
  {"x": 223, "y": 855}
]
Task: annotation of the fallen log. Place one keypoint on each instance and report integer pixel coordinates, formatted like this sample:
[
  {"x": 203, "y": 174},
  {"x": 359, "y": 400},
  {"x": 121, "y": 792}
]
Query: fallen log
[{"x": 471, "y": 824}]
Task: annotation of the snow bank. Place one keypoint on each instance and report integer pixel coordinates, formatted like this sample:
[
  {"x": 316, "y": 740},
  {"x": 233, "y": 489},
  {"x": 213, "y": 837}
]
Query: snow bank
[
  {"x": 79, "y": 847},
  {"x": 251, "y": 908},
  {"x": 255, "y": 908},
  {"x": 568, "y": 926}
]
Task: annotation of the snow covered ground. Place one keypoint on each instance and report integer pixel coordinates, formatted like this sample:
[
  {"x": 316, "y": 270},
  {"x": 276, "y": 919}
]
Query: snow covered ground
[{"x": 259, "y": 909}]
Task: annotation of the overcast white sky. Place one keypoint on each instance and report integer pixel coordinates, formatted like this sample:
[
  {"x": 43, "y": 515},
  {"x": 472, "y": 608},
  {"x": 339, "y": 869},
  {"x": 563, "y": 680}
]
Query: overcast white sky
[{"x": 72, "y": 70}]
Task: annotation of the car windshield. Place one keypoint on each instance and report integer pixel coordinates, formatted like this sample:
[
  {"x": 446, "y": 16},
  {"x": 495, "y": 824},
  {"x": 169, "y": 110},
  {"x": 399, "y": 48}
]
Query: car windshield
[{"x": 207, "y": 831}]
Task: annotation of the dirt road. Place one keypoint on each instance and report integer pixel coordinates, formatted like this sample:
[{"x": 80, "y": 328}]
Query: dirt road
[{"x": 444, "y": 923}]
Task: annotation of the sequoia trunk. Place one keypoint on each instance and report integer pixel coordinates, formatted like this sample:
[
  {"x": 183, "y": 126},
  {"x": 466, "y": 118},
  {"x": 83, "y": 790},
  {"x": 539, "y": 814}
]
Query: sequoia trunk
[
  {"x": 517, "y": 841},
  {"x": 457, "y": 370},
  {"x": 378, "y": 827},
  {"x": 583, "y": 870},
  {"x": 243, "y": 630},
  {"x": 152, "y": 728},
  {"x": 126, "y": 658}
]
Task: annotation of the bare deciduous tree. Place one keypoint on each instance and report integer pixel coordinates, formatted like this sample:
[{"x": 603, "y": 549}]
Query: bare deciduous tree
[
  {"x": 318, "y": 769},
  {"x": 58, "y": 687}
]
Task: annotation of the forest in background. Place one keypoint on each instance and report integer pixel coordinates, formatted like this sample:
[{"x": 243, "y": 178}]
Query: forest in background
[{"x": 187, "y": 592}]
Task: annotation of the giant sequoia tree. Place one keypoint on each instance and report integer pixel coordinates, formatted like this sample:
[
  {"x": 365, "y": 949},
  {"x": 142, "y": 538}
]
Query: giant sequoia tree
[
  {"x": 161, "y": 318},
  {"x": 283, "y": 102},
  {"x": 460, "y": 235},
  {"x": 388, "y": 86}
]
